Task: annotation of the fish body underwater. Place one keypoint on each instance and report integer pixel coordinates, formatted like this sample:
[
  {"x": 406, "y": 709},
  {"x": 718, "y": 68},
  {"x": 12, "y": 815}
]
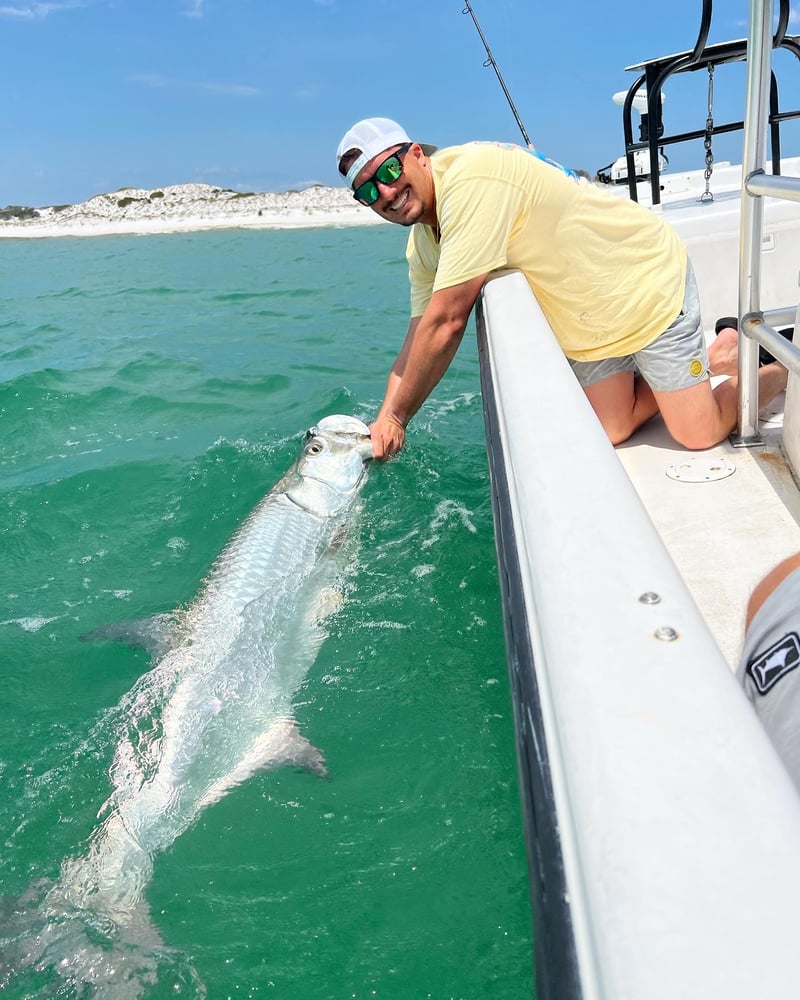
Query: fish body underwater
[{"x": 215, "y": 708}]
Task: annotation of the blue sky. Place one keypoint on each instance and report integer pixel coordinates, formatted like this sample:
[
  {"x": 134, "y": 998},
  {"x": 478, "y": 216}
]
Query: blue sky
[{"x": 255, "y": 94}]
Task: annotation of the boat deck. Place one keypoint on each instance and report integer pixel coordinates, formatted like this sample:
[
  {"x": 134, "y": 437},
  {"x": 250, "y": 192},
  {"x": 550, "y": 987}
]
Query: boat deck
[{"x": 723, "y": 534}]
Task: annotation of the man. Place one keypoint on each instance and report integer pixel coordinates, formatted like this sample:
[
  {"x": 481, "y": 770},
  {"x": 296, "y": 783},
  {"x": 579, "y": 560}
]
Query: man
[
  {"x": 769, "y": 665},
  {"x": 611, "y": 277}
]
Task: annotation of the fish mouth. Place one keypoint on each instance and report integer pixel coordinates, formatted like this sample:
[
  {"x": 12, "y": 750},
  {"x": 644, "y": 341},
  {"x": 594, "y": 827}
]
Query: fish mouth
[{"x": 340, "y": 425}]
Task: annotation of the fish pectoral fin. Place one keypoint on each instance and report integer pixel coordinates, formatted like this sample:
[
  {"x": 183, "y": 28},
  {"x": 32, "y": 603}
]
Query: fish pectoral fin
[
  {"x": 300, "y": 752},
  {"x": 282, "y": 745},
  {"x": 288, "y": 747},
  {"x": 155, "y": 634}
]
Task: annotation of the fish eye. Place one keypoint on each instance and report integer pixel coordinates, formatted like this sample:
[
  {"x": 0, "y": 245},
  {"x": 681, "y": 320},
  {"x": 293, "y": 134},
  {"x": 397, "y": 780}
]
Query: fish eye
[{"x": 313, "y": 448}]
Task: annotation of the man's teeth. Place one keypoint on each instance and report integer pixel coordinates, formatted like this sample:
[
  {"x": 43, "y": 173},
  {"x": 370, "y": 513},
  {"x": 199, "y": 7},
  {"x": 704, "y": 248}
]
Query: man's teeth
[{"x": 400, "y": 202}]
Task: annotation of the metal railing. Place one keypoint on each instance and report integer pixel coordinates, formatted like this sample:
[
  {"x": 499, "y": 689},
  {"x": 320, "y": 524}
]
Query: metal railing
[
  {"x": 756, "y": 326},
  {"x": 655, "y": 72}
]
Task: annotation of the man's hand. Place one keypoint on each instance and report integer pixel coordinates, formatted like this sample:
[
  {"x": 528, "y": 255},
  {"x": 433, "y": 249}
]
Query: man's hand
[{"x": 388, "y": 437}]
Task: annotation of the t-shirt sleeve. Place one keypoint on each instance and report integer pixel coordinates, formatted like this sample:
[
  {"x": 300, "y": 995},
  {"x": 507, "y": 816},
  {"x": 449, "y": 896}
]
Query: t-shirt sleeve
[
  {"x": 423, "y": 257},
  {"x": 477, "y": 214}
]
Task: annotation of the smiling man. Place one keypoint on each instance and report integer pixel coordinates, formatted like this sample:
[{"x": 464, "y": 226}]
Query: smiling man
[{"x": 612, "y": 278}]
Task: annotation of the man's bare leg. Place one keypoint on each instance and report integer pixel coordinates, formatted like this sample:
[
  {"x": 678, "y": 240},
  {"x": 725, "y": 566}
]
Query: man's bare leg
[
  {"x": 723, "y": 353},
  {"x": 696, "y": 417},
  {"x": 622, "y": 403}
]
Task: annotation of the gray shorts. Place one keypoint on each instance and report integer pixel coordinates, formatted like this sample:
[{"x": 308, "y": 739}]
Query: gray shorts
[
  {"x": 770, "y": 670},
  {"x": 675, "y": 360}
]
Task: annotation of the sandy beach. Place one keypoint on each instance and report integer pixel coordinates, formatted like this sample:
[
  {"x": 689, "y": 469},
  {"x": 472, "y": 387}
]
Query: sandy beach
[{"x": 189, "y": 207}]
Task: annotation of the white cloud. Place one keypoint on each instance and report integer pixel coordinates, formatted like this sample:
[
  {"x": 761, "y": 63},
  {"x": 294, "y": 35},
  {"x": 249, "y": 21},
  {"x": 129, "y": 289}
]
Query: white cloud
[
  {"x": 194, "y": 8},
  {"x": 221, "y": 89},
  {"x": 38, "y": 11}
]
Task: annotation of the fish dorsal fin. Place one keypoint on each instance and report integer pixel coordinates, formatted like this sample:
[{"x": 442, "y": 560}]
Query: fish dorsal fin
[{"x": 155, "y": 634}]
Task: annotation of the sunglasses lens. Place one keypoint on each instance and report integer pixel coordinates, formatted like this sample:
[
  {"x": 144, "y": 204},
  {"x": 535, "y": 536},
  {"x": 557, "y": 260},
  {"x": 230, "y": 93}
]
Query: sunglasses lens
[
  {"x": 367, "y": 193},
  {"x": 387, "y": 173},
  {"x": 389, "y": 170}
]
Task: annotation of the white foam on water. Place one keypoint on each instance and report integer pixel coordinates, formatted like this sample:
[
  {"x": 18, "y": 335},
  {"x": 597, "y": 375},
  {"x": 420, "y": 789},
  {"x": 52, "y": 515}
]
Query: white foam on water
[
  {"x": 446, "y": 511},
  {"x": 386, "y": 624},
  {"x": 30, "y": 624}
]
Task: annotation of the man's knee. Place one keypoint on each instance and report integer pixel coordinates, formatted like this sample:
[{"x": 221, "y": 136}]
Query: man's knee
[
  {"x": 697, "y": 438},
  {"x": 698, "y": 418},
  {"x": 617, "y": 427}
]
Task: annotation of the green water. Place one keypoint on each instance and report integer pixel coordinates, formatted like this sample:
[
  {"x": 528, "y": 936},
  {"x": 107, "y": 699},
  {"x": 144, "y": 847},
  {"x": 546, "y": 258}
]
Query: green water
[{"x": 153, "y": 389}]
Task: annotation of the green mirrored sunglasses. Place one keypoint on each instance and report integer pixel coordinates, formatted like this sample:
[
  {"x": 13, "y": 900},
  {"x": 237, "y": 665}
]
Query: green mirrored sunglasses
[{"x": 387, "y": 173}]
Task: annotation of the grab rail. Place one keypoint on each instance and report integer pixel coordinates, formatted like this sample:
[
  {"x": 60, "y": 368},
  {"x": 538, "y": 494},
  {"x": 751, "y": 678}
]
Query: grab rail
[
  {"x": 754, "y": 328},
  {"x": 654, "y": 74}
]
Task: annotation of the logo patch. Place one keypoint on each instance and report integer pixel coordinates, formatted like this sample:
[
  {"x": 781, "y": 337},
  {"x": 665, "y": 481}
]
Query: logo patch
[
  {"x": 696, "y": 368},
  {"x": 780, "y": 659}
]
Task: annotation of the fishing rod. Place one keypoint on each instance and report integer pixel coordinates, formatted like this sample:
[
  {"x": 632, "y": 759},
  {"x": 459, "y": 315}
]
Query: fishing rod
[{"x": 491, "y": 62}]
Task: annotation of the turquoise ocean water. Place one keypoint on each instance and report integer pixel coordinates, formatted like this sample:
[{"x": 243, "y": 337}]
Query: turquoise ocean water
[{"x": 152, "y": 390}]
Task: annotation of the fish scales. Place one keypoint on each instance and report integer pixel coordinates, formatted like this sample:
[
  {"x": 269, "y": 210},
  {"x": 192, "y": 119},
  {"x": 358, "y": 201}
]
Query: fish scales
[{"x": 215, "y": 708}]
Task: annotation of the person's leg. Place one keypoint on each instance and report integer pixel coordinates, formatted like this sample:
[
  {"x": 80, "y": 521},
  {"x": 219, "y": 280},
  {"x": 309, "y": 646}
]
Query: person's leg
[
  {"x": 723, "y": 352},
  {"x": 622, "y": 402},
  {"x": 677, "y": 365},
  {"x": 698, "y": 417}
]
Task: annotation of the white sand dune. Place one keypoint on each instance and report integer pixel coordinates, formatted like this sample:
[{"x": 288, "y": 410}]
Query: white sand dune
[{"x": 187, "y": 207}]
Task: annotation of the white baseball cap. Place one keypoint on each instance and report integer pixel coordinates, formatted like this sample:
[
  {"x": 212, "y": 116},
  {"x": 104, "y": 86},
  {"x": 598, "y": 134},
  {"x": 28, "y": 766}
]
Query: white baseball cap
[{"x": 371, "y": 136}]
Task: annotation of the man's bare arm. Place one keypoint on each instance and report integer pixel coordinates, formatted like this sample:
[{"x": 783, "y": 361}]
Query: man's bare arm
[{"x": 430, "y": 345}]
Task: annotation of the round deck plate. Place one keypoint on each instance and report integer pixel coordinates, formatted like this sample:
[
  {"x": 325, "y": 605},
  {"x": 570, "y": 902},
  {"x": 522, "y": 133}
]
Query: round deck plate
[{"x": 701, "y": 469}]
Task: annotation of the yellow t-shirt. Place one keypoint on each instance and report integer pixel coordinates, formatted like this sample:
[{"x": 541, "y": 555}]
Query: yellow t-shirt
[{"x": 608, "y": 274}]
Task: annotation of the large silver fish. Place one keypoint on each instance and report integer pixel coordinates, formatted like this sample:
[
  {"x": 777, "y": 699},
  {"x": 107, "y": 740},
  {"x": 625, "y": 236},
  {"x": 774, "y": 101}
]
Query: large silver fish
[{"x": 215, "y": 708}]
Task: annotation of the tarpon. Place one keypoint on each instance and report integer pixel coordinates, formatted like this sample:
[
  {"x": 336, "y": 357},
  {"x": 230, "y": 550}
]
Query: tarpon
[{"x": 215, "y": 708}]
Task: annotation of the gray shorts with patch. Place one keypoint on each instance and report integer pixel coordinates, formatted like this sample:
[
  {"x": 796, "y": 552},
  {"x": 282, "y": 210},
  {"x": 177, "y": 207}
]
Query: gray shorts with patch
[
  {"x": 675, "y": 360},
  {"x": 770, "y": 670}
]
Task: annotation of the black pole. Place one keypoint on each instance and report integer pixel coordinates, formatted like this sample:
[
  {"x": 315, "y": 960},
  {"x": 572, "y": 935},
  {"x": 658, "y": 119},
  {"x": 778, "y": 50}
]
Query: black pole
[{"x": 491, "y": 62}]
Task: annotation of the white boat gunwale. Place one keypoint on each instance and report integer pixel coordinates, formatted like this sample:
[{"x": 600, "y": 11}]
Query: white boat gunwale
[{"x": 661, "y": 825}]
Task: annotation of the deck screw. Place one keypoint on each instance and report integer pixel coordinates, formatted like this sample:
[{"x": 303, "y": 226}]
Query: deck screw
[
  {"x": 650, "y": 598},
  {"x": 666, "y": 633}
]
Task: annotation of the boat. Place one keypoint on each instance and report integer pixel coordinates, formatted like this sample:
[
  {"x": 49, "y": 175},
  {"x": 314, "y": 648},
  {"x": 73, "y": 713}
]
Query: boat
[{"x": 662, "y": 828}]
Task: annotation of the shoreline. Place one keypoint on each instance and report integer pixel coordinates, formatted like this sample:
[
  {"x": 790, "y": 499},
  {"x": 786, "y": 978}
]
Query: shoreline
[{"x": 192, "y": 208}]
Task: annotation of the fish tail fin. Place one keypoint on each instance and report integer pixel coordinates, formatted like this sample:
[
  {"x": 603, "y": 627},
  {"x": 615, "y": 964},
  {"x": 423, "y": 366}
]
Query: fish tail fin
[{"x": 48, "y": 946}]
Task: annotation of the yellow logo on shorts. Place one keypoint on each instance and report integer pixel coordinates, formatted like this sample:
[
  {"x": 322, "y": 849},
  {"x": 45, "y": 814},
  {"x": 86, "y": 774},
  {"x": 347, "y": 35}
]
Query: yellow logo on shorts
[{"x": 696, "y": 367}]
